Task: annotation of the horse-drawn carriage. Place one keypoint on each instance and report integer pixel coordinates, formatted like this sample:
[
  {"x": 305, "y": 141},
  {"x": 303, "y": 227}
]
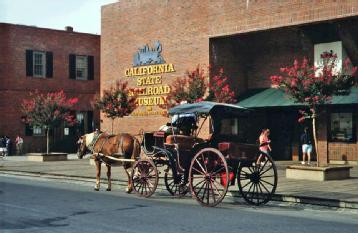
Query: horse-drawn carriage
[{"x": 208, "y": 166}]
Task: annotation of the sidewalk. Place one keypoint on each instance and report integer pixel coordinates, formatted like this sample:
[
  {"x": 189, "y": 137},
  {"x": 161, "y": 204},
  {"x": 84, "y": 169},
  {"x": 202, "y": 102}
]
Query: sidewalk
[{"x": 340, "y": 193}]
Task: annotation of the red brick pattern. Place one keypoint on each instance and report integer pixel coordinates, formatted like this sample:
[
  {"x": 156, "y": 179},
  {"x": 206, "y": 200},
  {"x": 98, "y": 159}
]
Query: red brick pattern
[
  {"x": 15, "y": 85},
  {"x": 187, "y": 28}
]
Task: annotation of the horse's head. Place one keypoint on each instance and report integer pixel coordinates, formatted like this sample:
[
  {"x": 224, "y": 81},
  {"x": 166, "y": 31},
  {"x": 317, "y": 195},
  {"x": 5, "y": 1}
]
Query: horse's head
[
  {"x": 84, "y": 144},
  {"x": 81, "y": 147}
]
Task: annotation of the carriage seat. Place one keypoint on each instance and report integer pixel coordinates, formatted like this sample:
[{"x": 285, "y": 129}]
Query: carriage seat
[{"x": 184, "y": 142}]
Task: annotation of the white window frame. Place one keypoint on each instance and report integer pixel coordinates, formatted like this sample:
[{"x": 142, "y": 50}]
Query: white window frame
[
  {"x": 82, "y": 66},
  {"x": 43, "y": 61},
  {"x": 38, "y": 131}
]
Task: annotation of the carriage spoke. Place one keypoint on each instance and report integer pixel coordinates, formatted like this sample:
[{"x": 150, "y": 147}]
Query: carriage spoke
[
  {"x": 262, "y": 167},
  {"x": 267, "y": 176},
  {"x": 199, "y": 171},
  {"x": 196, "y": 160},
  {"x": 208, "y": 193},
  {"x": 202, "y": 157},
  {"x": 264, "y": 187},
  {"x": 267, "y": 182},
  {"x": 201, "y": 188},
  {"x": 217, "y": 171},
  {"x": 268, "y": 169},
  {"x": 212, "y": 190},
  {"x": 246, "y": 184},
  {"x": 200, "y": 182}
]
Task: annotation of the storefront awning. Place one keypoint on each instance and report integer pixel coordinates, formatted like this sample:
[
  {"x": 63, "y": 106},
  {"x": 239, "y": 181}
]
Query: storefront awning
[{"x": 272, "y": 97}]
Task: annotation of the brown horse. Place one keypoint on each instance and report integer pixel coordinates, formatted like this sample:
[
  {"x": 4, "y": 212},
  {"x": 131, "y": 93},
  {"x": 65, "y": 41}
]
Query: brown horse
[{"x": 102, "y": 145}]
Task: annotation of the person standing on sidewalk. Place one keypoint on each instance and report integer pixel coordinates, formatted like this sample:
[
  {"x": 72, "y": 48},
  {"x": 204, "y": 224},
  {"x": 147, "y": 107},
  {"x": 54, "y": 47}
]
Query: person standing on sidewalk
[
  {"x": 8, "y": 145},
  {"x": 306, "y": 141},
  {"x": 19, "y": 142},
  {"x": 265, "y": 141}
]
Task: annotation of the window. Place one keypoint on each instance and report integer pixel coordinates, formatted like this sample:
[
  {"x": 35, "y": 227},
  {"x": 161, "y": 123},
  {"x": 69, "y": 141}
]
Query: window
[
  {"x": 85, "y": 122},
  {"x": 229, "y": 126},
  {"x": 81, "y": 67},
  {"x": 342, "y": 128},
  {"x": 38, "y": 131},
  {"x": 39, "y": 67},
  {"x": 39, "y": 64}
]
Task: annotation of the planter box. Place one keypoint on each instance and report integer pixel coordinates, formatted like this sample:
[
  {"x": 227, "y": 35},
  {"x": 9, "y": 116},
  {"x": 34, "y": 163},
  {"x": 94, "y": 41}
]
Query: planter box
[
  {"x": 318, "y": 173},
  {"x": 42, "y": 157}
]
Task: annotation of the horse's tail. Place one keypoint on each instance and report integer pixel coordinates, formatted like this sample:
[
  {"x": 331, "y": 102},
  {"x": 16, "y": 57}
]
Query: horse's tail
[{"x": 136, "y": 148}]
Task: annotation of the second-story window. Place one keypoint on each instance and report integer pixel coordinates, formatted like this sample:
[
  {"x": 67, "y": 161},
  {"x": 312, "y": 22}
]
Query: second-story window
[
  {"x": 81, "y": 67},
  {"x": 39, "y": 66}
]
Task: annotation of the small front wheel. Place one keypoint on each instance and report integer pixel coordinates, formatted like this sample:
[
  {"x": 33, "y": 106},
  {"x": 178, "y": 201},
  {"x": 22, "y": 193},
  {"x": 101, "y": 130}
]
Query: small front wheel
[
  {"x": 208, "y": 169},
  {"x": 176, "y": 186},
  {"x": 144, "y": 177}
]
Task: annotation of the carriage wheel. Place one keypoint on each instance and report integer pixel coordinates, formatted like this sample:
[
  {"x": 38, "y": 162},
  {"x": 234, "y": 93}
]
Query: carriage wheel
[
  {"x": 144, "y": 177},
  {"x": 176, "y": 188},
  {"x": 207, "y": 168},
  {"x": 257, "y": 181}
]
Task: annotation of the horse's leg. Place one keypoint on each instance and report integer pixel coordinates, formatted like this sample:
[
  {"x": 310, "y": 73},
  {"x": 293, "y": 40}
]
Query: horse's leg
[
  {"x": 109, "y": 188},
  {"x": 98, "y": 175},
  {"x": 129, "y": 186}
]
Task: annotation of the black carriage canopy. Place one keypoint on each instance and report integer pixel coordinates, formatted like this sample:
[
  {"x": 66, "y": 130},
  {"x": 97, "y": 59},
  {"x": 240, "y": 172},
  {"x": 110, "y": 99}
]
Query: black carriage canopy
[{"x": 210, "y": 108}]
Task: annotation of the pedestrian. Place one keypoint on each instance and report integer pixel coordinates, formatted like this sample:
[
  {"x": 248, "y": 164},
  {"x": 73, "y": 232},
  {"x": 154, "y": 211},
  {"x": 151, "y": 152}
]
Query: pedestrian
[
  {"x": 19, "y": 141},
  {"x": 265, "y": 141},
  {"x": 264, "y": 147},
  {"x": 8, "y": 145},
  {"x": 306, "y": 141}
]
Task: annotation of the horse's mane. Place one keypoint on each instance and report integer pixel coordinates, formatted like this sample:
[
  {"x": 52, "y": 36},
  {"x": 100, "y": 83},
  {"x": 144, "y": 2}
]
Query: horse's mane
[{"x": 89, "y": 138}]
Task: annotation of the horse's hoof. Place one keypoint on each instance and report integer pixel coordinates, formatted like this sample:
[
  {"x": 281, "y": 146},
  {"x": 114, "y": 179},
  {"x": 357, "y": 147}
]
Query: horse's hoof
[
  {"x": 96, "y": 189},
  {"x": 128, "y": 190},
  {"x": 108, "y": 189}
]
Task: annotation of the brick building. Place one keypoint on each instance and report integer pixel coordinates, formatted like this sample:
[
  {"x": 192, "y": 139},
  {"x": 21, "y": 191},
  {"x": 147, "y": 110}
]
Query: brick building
[
  {"x": 251, "y": 40},
  {"x": 47, "y": 60}
]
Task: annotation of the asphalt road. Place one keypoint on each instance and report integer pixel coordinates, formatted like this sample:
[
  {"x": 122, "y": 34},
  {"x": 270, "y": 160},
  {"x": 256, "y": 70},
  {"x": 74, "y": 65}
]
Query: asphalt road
[{"x": 40, "y": 205}]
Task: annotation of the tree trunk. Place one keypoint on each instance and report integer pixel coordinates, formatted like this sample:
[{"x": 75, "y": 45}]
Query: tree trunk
[
  {"x": 112, "y": 124},
  {"x": 47, "y": 140},
  {"x": 314, "y": 116}
]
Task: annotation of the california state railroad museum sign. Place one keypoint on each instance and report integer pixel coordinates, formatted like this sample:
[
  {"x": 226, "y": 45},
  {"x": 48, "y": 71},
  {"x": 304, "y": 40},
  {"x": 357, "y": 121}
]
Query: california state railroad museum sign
[{"x": 149, "y": 69}]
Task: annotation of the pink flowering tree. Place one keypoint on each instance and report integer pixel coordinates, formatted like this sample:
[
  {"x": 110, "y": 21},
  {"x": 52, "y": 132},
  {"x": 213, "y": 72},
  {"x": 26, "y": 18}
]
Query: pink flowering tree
[
  {"x": 219, "y": 89},
  {"x": 191, "y": 88},
  {"x": 315, "y": 86},
  {"x": 48, "y": 111},
  {"x": 194, "y": 87},
  {"x": 118, "y": 101}
]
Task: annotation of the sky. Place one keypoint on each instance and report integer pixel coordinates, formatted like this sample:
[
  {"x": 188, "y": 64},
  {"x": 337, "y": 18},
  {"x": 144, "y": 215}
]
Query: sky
[{"x": 82, "y": 15}]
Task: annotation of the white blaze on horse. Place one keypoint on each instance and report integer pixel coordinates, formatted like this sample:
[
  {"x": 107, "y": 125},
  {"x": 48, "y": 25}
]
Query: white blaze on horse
[{"x": 108, "y": 148}]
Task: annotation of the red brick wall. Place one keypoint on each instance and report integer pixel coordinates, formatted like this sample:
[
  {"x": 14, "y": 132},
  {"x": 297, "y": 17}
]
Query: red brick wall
[
  {"x": 184, "y": 29},
  {"x": 15, "y": 85}
]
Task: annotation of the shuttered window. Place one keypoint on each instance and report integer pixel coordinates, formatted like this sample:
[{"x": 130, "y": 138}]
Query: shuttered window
[
  {"x": 81, "y": 67},
  {"x": 39, "y": 64}
]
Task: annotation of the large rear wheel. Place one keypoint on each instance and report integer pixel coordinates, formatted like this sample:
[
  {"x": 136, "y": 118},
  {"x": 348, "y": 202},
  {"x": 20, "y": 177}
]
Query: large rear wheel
[
  {"x": 144, "y": 177},
  {"x": 207, "y": 168},
  {"x": 257, "y": 181}
]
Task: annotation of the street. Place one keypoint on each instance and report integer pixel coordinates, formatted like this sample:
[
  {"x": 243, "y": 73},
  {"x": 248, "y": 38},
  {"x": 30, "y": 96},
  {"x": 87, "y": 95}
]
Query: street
[{"x": 44, "y": 205}]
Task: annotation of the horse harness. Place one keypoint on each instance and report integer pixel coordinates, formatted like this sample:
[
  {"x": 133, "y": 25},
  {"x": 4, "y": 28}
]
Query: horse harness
[{"x": 100, "y": 155}]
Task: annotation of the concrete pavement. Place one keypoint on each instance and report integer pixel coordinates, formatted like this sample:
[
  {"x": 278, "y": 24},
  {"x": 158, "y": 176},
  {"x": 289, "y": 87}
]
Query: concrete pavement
[{"x": 339, "y": 193}]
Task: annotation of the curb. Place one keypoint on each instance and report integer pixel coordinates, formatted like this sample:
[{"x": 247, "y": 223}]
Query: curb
[{"x": 336, "y": 203}]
